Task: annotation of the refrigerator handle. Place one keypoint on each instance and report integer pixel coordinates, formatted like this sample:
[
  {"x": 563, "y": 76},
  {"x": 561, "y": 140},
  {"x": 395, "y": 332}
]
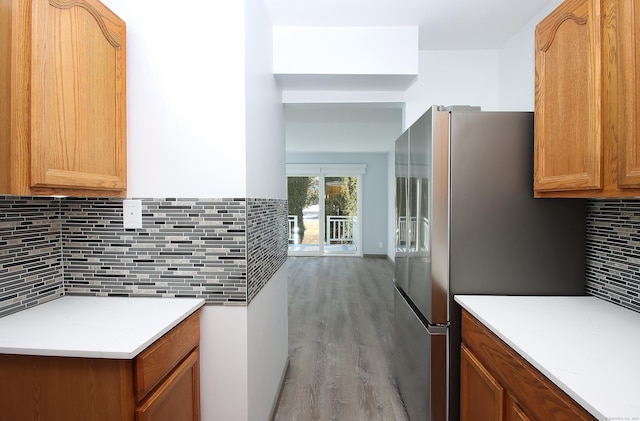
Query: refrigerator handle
[{"x": 438, "y": 329}]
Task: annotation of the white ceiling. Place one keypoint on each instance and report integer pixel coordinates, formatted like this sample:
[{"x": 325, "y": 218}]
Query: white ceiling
[{"x": 443, "y": 25}]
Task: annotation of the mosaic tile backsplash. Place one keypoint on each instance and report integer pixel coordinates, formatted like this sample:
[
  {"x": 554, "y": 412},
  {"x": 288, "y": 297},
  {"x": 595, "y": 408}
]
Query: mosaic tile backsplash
[
  {"x": 186, "y": 248},
  {"x": 613, "y": 251},
  {"x": 267, "y": 241},
  {"x": 30, "y": 253},
  {"x": 224, "y": 250}
]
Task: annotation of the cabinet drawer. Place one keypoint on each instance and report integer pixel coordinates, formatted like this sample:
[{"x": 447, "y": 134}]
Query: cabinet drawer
[
  {"x": 178, "y": 397},
  {"x": 157, "y": 361}
]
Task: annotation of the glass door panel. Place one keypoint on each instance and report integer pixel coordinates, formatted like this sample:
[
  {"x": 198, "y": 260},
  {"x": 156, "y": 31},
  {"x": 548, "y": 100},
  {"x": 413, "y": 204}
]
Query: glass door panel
[
  {"x": 323, "y": 215},
  {"x": 341, "y": 215},
  {"x": 305, "y": 229}
]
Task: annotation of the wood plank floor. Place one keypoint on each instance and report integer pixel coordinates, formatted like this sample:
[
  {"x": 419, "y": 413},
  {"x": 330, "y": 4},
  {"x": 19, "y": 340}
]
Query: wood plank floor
[{"x": 340, "y": 341}]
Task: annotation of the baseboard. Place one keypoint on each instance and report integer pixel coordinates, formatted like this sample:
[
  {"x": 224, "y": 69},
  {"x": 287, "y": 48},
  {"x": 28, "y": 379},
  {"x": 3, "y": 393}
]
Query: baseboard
[
  {"x": 276, "y": 402},
  {"x": 377, "y": 256}
]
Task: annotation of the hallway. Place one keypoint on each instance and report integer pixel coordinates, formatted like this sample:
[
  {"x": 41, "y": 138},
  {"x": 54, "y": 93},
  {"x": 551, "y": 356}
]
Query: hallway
[{"x": 340, "y": 341}]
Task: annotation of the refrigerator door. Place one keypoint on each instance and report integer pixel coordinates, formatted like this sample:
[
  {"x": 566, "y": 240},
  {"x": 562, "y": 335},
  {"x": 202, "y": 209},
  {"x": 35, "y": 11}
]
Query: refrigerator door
[
  {"x": 419, "y": 258},
  {"x": 401, "y": 221},
  {"x": 420, "y": 361},
  {"x": 428, "y": 203}
]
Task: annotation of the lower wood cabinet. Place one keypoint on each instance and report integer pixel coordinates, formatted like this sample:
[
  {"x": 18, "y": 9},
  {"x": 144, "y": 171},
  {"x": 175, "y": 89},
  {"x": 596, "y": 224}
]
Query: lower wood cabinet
[
  {"x": 481, "y": 396},
  {"x": 496, "y": 383},
  {"x": 161, "y": 384},
  {"x": 513, "y": 412},
  {"x": 177, "y": 398}
]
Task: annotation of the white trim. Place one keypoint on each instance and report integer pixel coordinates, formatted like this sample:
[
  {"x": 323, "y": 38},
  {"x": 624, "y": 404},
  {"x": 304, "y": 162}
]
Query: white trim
[{"x": 326, "y": 169}]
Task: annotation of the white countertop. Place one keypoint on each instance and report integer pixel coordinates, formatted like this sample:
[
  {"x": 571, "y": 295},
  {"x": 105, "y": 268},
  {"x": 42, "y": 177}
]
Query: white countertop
[
  {"x": 93, "y": 327},
  {"x": 588, "y": 347}
]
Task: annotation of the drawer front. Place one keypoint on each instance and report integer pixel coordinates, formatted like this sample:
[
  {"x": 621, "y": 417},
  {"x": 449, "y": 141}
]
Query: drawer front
[
  {"x": 157, "y": 361},
  {"x": 178, "y": 397}
]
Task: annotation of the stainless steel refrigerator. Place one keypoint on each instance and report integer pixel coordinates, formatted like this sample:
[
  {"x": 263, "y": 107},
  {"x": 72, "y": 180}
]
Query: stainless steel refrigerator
[{"x": 467, "y": 223}]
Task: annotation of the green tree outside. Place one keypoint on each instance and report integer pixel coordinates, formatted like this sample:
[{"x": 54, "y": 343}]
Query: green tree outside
[{"x": 297, "y": 191}]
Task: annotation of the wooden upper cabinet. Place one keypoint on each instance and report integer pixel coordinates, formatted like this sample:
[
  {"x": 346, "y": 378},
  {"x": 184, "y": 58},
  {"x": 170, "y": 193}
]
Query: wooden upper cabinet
[
  {"x": 568, "y": 87},
  {"x": 67, "y": 96},
  {"x": 586, "y": 100},
  {"x": 628, "y": 112}
]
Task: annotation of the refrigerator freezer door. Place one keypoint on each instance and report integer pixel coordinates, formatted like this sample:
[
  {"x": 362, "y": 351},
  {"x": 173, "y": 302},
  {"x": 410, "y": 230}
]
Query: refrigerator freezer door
[{"x": 420, "y": 364}]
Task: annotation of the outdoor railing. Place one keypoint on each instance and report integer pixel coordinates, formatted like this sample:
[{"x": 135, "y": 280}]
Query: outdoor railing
[
  {"x": 293, "y": 229},
  {"x": 421, "y": 231},
  {"x": 402, "y": 229},
  {"x": 341, "y": 229}
]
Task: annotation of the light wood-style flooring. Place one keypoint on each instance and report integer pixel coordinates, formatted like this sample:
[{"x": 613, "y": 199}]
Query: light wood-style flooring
[{"x": 340, "y": 341}]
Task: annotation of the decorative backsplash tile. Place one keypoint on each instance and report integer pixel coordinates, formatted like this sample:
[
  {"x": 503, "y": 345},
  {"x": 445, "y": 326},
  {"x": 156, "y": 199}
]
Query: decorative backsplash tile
[
  {"x": 186, "y": 247},
  {"x": 267, "y": 239},
  {"x": 613, "y": 251},
  {"x": 224, "y": 250},
  {"x": 30, "y": 252}
]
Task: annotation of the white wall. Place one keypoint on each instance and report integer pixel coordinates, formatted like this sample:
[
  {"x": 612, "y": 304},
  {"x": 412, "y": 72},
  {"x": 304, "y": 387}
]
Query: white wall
[
  {"x": 388, "y": 50},
  {"x": 453, "y": 78},
  {"x": 374, "y": 193},
  {"x": 267, "y": 318},
  {"x": 244, "y": 352},
  {"x": 205, "y": 121},
  {"x": 224, "y": 377},
  {"x": 265, "y": 139},
  {"x": 517, "y": 66},
  {"x": 185, "y": 98},
  {"x": 268, "y": 349}
]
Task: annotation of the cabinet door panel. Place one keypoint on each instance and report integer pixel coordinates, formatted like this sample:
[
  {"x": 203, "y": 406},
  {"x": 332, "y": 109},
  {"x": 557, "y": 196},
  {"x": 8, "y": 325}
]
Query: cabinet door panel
[
  {"x": 568, "y": 128},
  {"x": 78, "y": 131},
  {"x": 628, "y": 19},
  {"x": 513, "y": 411},
  {"x": 178, "y": 396},
  {"x": 481, "y": 396}
]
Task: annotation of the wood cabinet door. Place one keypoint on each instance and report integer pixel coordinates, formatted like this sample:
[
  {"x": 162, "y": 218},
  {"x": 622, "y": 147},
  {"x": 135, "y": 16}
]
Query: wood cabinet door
[
  {"x": 481, "y": 396},
  {"x": 177, "y": 398},
  {"x": 513, "y": 411},
  {"x": 78, "y": 110},
  {"x": 568, "y": 89},
  {"x": 628, "y": 112}
]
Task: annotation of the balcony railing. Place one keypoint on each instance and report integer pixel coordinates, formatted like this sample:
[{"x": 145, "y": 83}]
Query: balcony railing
[
  {"x": 339, "y": 230},
  {"x": 418, "y": 233},
  {"x": 342, "y": 229}
]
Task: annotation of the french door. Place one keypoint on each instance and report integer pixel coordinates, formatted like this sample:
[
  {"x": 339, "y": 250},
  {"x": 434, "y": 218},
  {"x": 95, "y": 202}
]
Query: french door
[{"x": 324, "y": 214}]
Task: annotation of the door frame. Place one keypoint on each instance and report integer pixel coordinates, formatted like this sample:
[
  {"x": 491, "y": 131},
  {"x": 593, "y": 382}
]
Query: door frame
[{"x": 330, "y": 170}]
